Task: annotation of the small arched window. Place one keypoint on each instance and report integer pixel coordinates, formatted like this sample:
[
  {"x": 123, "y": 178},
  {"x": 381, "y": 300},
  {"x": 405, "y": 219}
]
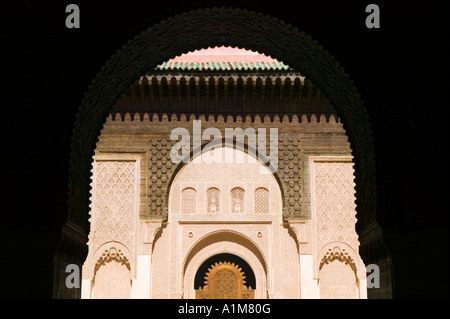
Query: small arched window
[
  {"x": 261, "y": 201},
  {"x": 237, "y": 200},
  {"x": 189, "y": 201},
  {"x": 213, "y": 200}
]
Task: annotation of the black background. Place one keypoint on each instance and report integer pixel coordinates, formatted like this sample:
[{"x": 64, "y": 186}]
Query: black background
[{"x": 400, "y": 71}]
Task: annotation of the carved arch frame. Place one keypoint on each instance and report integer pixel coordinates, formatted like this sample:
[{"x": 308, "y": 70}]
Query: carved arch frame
[
  {"x": 226, "y": 241},
  {"x": 346, "y": 254}
]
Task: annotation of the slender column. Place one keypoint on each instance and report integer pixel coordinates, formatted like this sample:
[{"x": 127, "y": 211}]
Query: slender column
[
  {"x": 86, "y": 288},
  {"x": 362, "y": 288},
  {"x": 308, "y": 285},
  {"x": 143, "y": 283}
]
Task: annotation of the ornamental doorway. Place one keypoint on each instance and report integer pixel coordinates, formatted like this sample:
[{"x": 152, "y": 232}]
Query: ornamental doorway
[{"x": 225, "y": 276}]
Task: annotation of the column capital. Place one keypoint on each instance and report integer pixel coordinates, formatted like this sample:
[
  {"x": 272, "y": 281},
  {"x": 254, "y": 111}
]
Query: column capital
[
  {"x": 302, "y": 230},
  {"x": 148, "y": 230}
]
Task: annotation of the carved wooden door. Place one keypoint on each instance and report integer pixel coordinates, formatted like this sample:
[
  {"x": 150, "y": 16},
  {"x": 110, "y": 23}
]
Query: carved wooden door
[{"x": 224, "y": 280}]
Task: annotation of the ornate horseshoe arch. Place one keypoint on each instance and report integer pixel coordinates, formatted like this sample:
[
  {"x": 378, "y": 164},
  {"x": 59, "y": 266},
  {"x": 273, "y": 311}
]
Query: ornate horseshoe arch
[
  {"x": 226, "y": 241},
  {"x": 201, "y": 29}
]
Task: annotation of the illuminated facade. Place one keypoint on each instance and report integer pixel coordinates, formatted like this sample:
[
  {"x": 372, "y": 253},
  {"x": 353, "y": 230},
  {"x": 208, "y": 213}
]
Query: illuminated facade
[{"x": 268, "y": 216}]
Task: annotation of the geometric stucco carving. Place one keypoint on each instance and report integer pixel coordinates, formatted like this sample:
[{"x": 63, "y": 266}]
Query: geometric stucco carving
[
  {"x": 333, "y": 209},
  {"x": 189, "y": 201},
  {"x": 114, "y": 202},
  {"x": 334, "y": 201},
  {"x": 261, "y": 201}
]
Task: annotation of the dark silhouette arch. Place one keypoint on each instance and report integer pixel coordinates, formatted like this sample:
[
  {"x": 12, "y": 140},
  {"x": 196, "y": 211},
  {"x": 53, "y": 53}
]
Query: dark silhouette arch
[{"x": 201, "y": 29}]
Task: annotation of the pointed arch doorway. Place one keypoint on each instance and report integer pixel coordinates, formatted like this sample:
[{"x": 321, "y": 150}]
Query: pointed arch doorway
[{"x": 225, "y": 276}]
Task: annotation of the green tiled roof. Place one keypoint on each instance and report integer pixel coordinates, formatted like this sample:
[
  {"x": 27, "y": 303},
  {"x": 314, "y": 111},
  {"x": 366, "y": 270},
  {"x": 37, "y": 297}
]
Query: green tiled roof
[{"x": 212, "y": 66}]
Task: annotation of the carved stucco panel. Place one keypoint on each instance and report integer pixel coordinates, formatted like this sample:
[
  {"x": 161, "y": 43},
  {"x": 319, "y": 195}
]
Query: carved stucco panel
[{"x": 114, "y": 203}]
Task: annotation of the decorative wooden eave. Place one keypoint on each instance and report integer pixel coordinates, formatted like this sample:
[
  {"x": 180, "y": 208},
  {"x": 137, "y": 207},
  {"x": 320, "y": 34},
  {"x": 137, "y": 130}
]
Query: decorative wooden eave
[
  {"x": 224, "y": 81},
  {"x": 247, "y": 93}
]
